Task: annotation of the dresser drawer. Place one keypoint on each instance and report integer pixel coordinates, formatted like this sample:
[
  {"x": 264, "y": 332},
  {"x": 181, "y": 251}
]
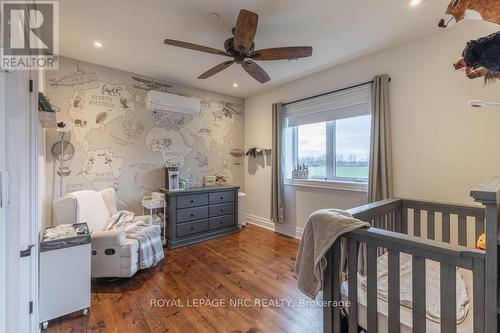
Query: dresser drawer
[
  {"x": 191, "y": 214},
  {"x": 190, "y": 228},
  {"x": 221, "y": 222},
  {"x": 221, "y": 197},
  {"x": 223, "y": 209},
  {"x": 186, "y": 201}
]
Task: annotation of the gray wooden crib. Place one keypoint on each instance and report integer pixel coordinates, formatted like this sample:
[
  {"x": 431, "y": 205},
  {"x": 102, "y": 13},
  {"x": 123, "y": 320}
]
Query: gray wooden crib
[{"x": 444, "y": 233}]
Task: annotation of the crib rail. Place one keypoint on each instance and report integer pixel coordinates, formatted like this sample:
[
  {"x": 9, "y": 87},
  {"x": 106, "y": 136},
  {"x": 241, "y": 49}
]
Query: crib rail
[
  {"x": 448, "y": 256},
  {"x": 401, "y": 215},
  {"x": 411, "y": 227},
  {"x": 433, "y": 211},
  {"x": 384, "y": 214}
]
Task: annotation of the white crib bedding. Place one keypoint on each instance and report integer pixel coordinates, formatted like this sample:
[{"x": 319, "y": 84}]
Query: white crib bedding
[{"x": 464, "y": 297}]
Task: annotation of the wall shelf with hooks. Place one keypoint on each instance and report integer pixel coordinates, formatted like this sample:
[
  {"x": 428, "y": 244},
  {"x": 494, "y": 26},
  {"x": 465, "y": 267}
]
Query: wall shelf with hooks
[{"x": 257, "y": 151}]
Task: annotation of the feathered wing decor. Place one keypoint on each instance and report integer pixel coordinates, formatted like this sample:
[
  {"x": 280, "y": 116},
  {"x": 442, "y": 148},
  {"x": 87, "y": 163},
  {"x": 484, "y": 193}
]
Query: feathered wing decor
[
  {"x": 481, "y": 58},
  {"x": 458, "y": 10}
]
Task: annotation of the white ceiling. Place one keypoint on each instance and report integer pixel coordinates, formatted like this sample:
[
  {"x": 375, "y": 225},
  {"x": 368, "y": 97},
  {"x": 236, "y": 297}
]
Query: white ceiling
[{"x": 132, "y": 32}]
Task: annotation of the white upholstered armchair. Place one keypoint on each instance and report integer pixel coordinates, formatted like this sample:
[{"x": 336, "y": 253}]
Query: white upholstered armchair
[{"x": 113, "y": 255}]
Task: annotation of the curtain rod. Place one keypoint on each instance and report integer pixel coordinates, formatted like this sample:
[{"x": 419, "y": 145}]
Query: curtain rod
[{"x": 331, "y": 92}]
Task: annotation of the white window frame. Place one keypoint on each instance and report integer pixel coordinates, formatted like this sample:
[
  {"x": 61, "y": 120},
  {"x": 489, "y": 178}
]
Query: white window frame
[
  {"x": 344, "y": 103},
  {"x": 330, "y": 156},
  {"x": 328, "y": 184}
]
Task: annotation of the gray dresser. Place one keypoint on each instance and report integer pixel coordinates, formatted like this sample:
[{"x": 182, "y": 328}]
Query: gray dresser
[{"x": 201, "y": 213}]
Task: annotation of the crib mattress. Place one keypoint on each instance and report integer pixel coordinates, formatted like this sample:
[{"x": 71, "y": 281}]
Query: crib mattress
[{"x": 406, "y": 318}]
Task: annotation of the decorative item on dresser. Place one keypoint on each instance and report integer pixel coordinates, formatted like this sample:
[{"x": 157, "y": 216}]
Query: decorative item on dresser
[
  {"x": 210, "y": 180},
  {"x": 172, "y": 178},
  {"x": 201, "y": 213}
]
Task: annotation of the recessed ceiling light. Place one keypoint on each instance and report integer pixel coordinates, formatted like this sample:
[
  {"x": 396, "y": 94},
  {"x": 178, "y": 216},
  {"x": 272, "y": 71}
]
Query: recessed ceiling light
[
  {"x": 98, "y": 44},
  {"x": 415, "y": 3},
  {"x": 235, "y": 85}
]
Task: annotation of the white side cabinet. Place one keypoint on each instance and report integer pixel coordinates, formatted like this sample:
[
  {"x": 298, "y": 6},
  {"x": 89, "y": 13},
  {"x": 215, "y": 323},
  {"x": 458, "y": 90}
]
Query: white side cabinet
[{"x": 64, "y": 278}]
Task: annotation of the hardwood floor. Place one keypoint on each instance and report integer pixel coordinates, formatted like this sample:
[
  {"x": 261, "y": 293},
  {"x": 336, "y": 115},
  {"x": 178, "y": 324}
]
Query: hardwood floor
[{"x": 253, "y": 266}]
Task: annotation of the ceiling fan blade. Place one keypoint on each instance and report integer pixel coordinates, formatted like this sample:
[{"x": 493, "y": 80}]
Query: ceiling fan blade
[
  {"x": 255, "y": 71},
  {"x": 216, "y": 69},
  {"x": 280, "y": 53},
  {"x": 244, "y": 32},
  {"x": 195, "y": 47}
]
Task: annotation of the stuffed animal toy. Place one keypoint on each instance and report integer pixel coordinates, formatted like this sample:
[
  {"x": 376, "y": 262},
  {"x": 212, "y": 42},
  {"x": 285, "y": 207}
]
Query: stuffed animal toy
[
  {"x": 487, "y": 10},
  {"x": 481, "y": 242},
  {"x": 481, "y": 58},
  {"x": 220, "y": 181}
]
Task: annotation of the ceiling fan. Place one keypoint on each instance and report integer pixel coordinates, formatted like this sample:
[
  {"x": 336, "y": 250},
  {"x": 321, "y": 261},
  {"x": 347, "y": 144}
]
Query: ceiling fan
[{"x": 242, "y": 49}]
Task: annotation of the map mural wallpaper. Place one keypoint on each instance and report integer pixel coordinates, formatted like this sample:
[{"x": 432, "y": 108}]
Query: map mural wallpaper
[{"x": 114, "y": 142}]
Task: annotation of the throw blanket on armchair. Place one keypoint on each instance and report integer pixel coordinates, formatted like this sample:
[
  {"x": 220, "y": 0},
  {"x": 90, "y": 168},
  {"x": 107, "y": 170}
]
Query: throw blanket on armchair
[
  {"x": 148, "y": 236},
  {"x": 321, "y": 231}
]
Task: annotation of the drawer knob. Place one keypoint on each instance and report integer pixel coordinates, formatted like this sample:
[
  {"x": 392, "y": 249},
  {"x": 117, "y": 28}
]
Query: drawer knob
[
  {"x": 221, "y": 222},
  {"x": 222, "y": 210},
  {"x": 192, "y": 201},
  {"x": 192, "y": 214},
  {"x": 222, "y": 198},
  {"x": 192, "y": 228}
]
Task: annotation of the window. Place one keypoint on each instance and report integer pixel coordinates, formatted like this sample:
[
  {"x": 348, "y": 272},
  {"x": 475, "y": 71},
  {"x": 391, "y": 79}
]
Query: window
[
  {"x": 330, "y": 135},
  {"x": 311, "y": 148}
]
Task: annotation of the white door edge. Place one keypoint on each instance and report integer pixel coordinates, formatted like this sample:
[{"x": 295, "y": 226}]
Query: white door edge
[{"x": 3, "y": 233}]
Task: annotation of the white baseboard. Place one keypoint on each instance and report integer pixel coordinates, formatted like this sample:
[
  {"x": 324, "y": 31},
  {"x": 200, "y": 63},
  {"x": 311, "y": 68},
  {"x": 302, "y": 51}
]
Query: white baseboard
[{"x": 284, "y": 229}]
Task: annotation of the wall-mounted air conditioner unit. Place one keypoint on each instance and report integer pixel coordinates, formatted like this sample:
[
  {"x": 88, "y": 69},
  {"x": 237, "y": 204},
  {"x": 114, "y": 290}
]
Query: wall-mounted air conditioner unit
[{"x": 157, "y": 101}]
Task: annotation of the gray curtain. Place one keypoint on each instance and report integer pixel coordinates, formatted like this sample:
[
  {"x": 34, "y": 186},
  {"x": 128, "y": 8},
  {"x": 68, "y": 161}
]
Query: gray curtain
[
  {"x": 277, "y": 201},
  {"x": 380, "y": 174}
]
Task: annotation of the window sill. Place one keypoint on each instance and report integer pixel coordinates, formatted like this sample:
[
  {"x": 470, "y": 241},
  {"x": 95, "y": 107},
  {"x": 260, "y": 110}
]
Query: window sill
[{"x": 329, "y": 184}]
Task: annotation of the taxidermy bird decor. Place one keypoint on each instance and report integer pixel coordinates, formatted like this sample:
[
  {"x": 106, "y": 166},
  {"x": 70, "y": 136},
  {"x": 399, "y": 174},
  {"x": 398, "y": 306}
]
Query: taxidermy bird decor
[
  {"x": 487, "y": 10},
  {"x": 481, "y": 58},
  {"x": 241, "y": 48}
]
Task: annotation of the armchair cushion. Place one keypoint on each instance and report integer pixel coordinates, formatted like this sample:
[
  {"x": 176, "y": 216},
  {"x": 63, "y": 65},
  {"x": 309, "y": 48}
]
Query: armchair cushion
[
  {"x": 130, "y": 248},
  {"x": 108, "y": 238},
  {"x": 66, "y": 210},
  {"x": 109, "y": 197},
  {"x": 91, "y": 209}
]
